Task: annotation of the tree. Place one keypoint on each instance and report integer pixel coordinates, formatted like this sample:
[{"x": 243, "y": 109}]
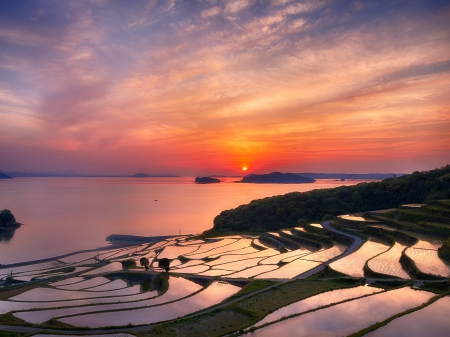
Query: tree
[
  {"x": 164, "y": 264},
  {"x": 7, "y": 218},
  {"x": 144, "y": 262},
  {"x": 129, "y": 263}
]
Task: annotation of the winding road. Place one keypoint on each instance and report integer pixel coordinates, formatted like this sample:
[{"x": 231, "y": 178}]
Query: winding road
[{"x": 357, "y": 242}]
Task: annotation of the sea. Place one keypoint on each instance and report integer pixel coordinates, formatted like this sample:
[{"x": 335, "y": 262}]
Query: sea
[{"x": 63, "y": 215}]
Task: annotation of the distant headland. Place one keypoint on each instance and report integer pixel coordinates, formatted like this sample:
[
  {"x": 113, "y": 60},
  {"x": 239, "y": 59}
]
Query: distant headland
[
  {"x": 4, "y": 175},
  {"x": 206, "y": 180},
  {"x": 145, "y": 175},
  {"x": 276, "y": 178},
  {"x": 75, "y": 174}
]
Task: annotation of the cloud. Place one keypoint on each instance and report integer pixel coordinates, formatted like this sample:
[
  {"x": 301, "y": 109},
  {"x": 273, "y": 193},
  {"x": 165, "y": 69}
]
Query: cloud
[
  {"x": 276, "y": 81},
  {"x": 213, "y": 11}
]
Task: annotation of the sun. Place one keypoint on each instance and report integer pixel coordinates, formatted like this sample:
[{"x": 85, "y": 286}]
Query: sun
[{"x": 244, "y": 168}]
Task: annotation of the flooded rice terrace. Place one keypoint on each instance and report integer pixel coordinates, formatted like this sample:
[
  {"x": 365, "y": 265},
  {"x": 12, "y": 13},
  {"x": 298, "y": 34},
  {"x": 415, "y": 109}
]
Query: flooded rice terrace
[
  {"x": 101, "y": 296},
  {"x": 110, "y": 288}
]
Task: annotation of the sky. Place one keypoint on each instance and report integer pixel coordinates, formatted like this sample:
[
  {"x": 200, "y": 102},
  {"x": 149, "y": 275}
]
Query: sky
[{"x": 210, "y": 87}]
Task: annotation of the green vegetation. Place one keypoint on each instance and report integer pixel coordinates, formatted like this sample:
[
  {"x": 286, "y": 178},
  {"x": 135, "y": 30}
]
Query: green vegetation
[
  {"x": 183, "y": 259},
  {"x": 444, "y": 251},
  {"x": 146, "y": 285},
  {"x": 15, "y": 334},
  {"x": 274, "y": 213},
  {"x": 253, "y": 286},
  {"x": 389, "y": 284},
  {"x": 144, "y": 262},
  {"x": 436, "y": 287},
  {"x": 69, "y": 269},
  {"x": 329, "y": 273},
  {"x": 128, "y": 264}
]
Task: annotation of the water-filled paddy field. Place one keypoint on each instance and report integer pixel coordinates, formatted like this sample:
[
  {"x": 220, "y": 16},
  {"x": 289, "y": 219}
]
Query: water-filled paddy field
[
  {"x": 429, "y": 321},
  {"x": 353, "y": 264},
  {"x": 95, "y": 290},
  {"x": 388, "y": 263},
  {"x": 349, "y": 317}
]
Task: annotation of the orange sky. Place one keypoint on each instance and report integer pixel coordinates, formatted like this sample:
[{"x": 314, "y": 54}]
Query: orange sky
[{"x": 207, "y": 87}]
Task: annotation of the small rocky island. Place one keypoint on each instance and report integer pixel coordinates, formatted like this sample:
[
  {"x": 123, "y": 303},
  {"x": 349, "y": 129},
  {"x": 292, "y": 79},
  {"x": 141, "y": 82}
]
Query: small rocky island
[
  {"x": 8, "y": 221},
  {"x": 206, "y": 180},
  {"x": 276, "y": 178}
]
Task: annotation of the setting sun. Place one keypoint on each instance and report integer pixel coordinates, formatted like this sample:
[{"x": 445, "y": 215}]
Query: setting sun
[{"x": 244, "y": 168}]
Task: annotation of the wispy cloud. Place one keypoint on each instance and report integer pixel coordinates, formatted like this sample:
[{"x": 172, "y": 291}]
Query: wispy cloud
[{"x": 295, "y": 83}]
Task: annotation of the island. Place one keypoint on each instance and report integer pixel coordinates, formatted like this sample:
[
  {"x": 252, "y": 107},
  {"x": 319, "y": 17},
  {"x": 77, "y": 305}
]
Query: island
[
  {"x": 276, "y": 178},
  {"x": 206, "y": 180},
  {"x": 8, "y": 221}
]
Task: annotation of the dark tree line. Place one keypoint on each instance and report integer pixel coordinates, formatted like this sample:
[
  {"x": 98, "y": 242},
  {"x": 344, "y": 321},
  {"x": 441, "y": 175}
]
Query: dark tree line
[{"x": 284, "y": 211}]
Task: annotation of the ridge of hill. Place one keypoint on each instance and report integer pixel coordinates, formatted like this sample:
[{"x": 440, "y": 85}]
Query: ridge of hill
[
  {"x": 276, "y": 178},
  {"x": 285, "y": 211}
]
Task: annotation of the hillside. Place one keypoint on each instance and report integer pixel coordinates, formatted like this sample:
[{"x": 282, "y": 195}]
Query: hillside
[
  {"x": 276, "y": 178},
  {"x": 284, "y": 211}
]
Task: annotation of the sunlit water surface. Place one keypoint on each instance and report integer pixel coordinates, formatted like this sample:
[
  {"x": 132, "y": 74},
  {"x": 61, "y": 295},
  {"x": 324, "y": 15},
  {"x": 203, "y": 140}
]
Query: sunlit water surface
[
  {"x": 61, "y": 215},
  {"x": 429, "y": 321},
  {"x": 317, "y": 301},
  {"x": 349, "y": 317}
]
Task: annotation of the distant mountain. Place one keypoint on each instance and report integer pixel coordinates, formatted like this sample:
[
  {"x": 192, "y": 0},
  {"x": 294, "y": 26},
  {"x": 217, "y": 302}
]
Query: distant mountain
[
  {"x": 206, "y": 180},
  {"x": 141, "y": 175},
  {"x": 145, "y": 175},
  {"x": 361, "y": 176},
  {"x": 276, "y": 178},
  {"x": 74, "y": 174},
  {"x": 67, "y": 173}
]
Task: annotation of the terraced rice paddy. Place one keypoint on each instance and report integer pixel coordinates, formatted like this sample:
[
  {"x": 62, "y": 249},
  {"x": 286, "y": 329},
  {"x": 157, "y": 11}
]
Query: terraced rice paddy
[
  {"x": 49, "y": 294},
  {"x": 253, "y": 271},
  {"x": 425, "y": 256},
  {"x": 318, "y": 301},
  {"x": 389, "y": 262},
  {"x": 93, "y": 282},
  {"x": 353, "y": 264},
  {"x": 349, "y": 317},
  {"x": 290, "y": 270},
  {"x": 354, "y": 218},
  {"x": 429, "y": 321},
  {"x": 95, "y": 292},
  {"x": 213, "y": 294},
  {"x": 178, "y": 288},
  {"x": 326, "y": 254},
  {"x": 172, "y": 252}
]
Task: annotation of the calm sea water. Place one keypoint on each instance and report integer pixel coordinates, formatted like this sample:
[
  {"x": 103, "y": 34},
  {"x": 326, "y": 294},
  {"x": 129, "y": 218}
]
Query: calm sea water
[{"x": 62, "y": 215}]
